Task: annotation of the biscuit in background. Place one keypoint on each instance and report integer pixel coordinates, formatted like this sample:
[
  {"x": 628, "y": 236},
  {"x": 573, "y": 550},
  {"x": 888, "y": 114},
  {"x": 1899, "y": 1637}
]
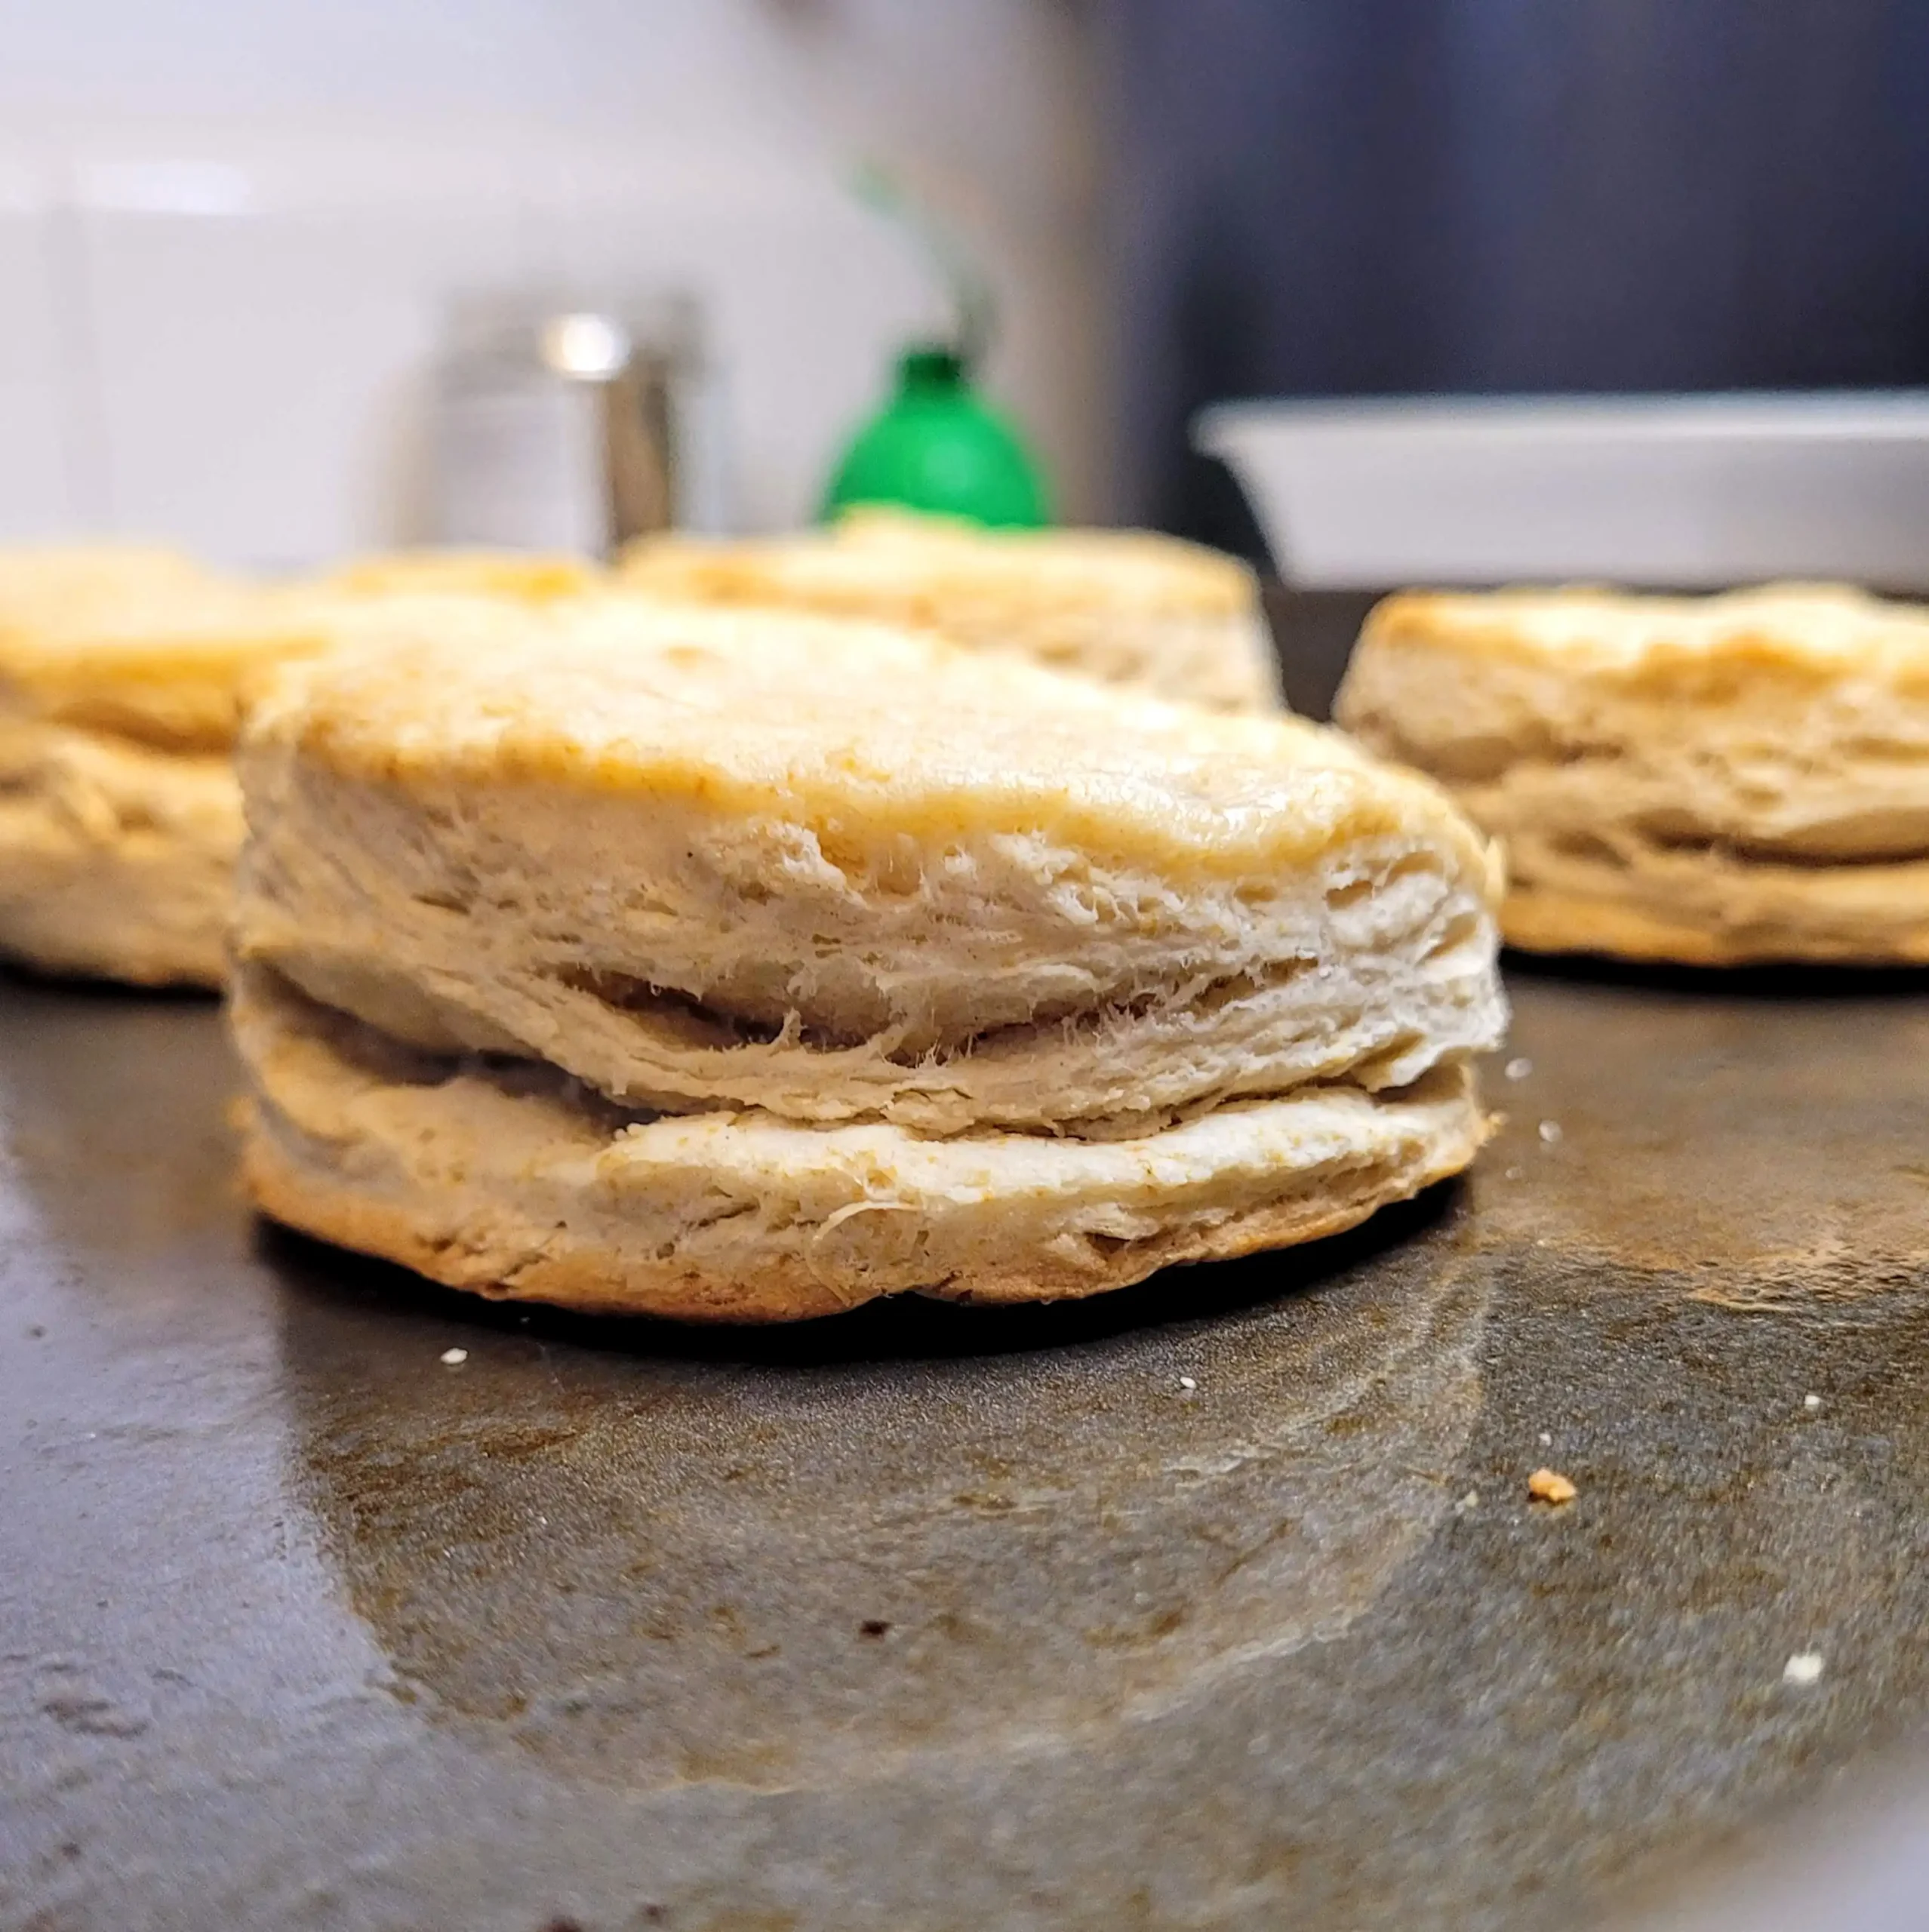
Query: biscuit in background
[
  {"x": 1711, "y": 780},
  {"x": 121, "y": 681},
  {"x": 737, "y": 965},
  {"x": 531, "y": 575},
  {"x": 124, "y": 674},
  {"x": 1122, "y": 607}
]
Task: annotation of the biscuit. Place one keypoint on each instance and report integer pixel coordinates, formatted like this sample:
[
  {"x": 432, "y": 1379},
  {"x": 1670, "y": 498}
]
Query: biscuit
[
  {"x": 124, "y": 677},
  {"x": 115, "y": 858},
  {"x": 1713, "y": 781},
  {"x": 760, "y": 895},
  {"x": 703, "y": 858},
  {"x": 1124, "y": 608},
  {"x": 533, "y": 575}
]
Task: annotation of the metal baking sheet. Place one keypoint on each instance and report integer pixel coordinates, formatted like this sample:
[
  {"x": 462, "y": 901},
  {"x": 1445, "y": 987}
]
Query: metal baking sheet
[{"x": 1218, "y": 1602}]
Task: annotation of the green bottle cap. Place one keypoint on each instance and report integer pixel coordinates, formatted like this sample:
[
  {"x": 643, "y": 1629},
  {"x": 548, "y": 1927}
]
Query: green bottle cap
[{"x": 936, "y": 446}]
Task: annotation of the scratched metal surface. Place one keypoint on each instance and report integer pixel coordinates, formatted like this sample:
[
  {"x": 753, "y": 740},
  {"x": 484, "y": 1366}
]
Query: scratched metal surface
[{"x": 928, "y": 1618}]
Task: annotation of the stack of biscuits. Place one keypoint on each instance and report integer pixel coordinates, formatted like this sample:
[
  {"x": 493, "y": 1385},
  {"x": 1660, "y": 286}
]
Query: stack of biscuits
[
  {"x": 742, "y": 964},
  {"x": 691, "y": 944}
]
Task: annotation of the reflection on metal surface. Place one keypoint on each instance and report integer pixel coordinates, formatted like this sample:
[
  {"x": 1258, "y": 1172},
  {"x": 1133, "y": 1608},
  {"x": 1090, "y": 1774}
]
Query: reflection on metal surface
[
  {"x": 794, "y": 1571},
  {"x": 1755, "y": 1149},
  {"x": 588, "y": 345}
]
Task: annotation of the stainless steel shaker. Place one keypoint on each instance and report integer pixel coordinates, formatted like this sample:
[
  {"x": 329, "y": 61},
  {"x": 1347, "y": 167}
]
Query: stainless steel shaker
[{"x": 575, "y": 426}]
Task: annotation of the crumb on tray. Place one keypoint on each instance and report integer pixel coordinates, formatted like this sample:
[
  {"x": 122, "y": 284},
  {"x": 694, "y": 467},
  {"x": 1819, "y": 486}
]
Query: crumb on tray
[{"x": 1550, "y": 1486}]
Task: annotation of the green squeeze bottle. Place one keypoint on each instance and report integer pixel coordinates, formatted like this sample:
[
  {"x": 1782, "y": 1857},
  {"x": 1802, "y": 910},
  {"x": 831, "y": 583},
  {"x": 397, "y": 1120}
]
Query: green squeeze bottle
[{"x": 936, "y": 446}]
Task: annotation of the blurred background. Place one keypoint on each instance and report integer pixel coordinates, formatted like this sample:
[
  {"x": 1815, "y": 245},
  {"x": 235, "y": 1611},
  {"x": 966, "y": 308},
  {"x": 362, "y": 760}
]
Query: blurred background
[
  {"x": 231, "y": 232},
  {"x": 239, "y": 239}
]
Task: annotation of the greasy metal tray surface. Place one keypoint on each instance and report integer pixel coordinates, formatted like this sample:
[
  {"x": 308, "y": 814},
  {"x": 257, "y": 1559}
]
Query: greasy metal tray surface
[{"x": 1219, "y": 1602}]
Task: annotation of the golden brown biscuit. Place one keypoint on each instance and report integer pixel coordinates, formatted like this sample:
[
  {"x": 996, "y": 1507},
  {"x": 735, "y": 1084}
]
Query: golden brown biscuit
[
  {"x": 115, "y": 858},
  {"x": 751, "y": 896},
  {"x": 1713, "y": 780},
  {"x": 124, "y": 677},
  {"x": 533, "y": 576},
  {"x": 1123, "y": 607}
]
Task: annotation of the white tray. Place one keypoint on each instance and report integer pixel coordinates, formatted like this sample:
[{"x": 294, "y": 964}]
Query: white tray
[{"x": 1684, "y": 491}]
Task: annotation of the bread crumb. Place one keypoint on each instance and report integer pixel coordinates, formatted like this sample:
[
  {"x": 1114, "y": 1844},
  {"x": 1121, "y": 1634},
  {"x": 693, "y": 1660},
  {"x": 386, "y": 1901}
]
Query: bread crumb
[
  {"x": 1550, "y": 1486},
  {"x": 1469, "y": 1501},
  {"x": 1811, "y": 1401},
  {"x": 1186, "y": 1381},
  {"x": 1550, "y": 1133},
  {"x": 1546, "y": 1441},
  {"x": 1805, "y": 1667},
  {"x": 1518, "y": 1069},
  {"x": 454, "y": 1357}
]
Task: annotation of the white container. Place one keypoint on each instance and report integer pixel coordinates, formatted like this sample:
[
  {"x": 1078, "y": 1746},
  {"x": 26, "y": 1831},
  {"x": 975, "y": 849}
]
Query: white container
[{"x": 1688, "y": 492}]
